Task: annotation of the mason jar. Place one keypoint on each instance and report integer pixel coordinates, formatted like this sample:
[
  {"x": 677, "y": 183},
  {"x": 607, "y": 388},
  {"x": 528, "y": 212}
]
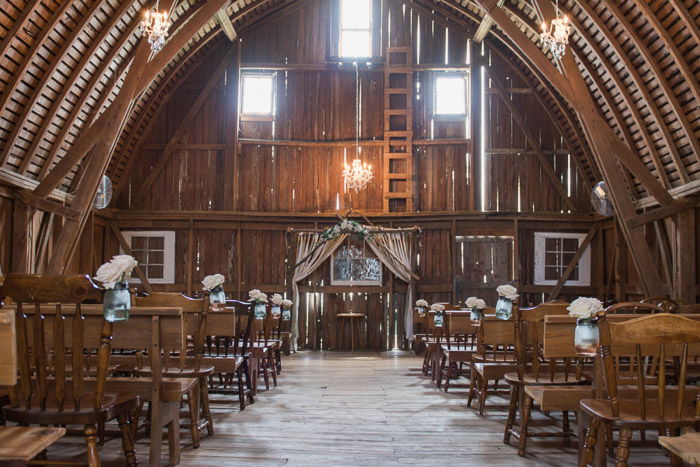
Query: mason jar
[
  {"x": 260, "y": 310},
  {"x": 586, "y": 337},
  {"x": 439, "y": 319},
  {"x": 275, "y": 311},
  {"x": 217, "y": 296},
  {"x": 116, "y": 302},
  {"x": 504, "y": 308}
]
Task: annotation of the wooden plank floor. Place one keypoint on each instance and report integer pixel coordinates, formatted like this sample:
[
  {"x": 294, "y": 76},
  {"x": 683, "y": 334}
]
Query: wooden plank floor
[{"x": 363, "y": 409}]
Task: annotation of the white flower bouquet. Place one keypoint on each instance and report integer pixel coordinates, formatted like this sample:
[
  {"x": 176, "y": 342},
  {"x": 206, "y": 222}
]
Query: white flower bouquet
[
  {"x": 257, "y": 296},
  {"x": 286, "y": 303},
  {"x": 118, "y": 269},
  {"x": 508, "y": 292},
  {"x": 437, "y": 307},
  {"x": 585, "y": 307},
  {"x": 473, "y": 302},
  {"x": 213, "y": 282},
  {"x": 421, "y": 303},
  {"x": 277, "y": 299}
]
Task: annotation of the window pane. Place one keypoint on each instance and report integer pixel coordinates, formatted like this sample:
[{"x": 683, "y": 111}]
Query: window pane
[
  {"x": 355, "y": 14},
  {"x": 355, "y": 44},
  {"x": 155, "y": 257},
  {"x": 156, "y": 243},
  {"x": 552, "y": 244},
  {"x": 571, "y": 244},
  {"x": 138, "y": 243},
  {"x": 552, "y": 274},
  {"x": 551, "y": 259},
  {"x": 451, "y": 96},
  {"x": 155, "y": 272},
  {"x": 257, "y": 95}
]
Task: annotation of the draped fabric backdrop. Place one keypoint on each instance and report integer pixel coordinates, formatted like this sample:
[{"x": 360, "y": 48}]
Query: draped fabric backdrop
[{"x": 394, "y": 250}]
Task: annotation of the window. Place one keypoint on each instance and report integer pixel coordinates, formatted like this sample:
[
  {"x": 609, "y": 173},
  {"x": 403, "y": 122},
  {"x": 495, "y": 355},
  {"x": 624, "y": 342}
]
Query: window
[
  {"x": 483, "y": 263},
  {"x": 155, "y": 252},
  {"x": 451, "y": 95},
  {"x": 554, "y": 252},
  {"x": 355, "y": 28},
  {"x": 258, "y": 94},
  {"x": 355, "y": 264}
]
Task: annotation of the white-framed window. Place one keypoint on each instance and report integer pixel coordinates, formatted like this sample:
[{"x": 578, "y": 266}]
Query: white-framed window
[
  {"x": 553, "y": 253},
  {"x": 355, "y": 28},
  {"x": 155, "y": 252},
  {"x": 257, "y": 94},
  {"x": 354, "y": 263},
  {"x": 450, "y": 95}
]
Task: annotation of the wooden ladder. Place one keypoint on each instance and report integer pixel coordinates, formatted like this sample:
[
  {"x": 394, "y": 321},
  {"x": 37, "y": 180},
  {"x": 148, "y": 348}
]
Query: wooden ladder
[{"x": 398, "y": 130}]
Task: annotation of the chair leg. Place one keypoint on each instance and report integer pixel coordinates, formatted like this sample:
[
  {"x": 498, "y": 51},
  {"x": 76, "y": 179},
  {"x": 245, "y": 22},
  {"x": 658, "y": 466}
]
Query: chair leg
[
  {"x": 483, "y": 391},
  {"x": 250, "y": 381},
  {"x": 204, "y": 402},
  {"x": 266, "y": 376},
  {"x": 127, "y": 441},
  {"x": 566, "y": 427},
  {"x": 192, "y": 403},
  {"x": 473, "y": 375},
  {"x": 512, "y": 408},
  {"x": 241, "y": 388},
  {"x": 623, "y": 448},
  {"x": 174, "y": 442},
  {"x": 448, "y": 376},
  {"x": 93, "y": 456},
  {"x": 524, "y": 422},
  {"x": 273, "y": 368},
  {"x": 589, "y": 445}
]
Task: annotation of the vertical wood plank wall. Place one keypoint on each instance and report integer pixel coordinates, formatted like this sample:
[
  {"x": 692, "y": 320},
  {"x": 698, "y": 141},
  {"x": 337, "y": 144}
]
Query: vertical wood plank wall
[{"x": 232, "y": 196}]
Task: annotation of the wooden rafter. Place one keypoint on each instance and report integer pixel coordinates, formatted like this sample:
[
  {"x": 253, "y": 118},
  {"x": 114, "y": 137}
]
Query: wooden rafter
[
  {"x": 184, "y": 124},
  {"x": 147, "y": 73},
  {"x": 485, "y": 25},
  {"x": 39, "y": 87},
  {"x": 574, "y": 261},
  {"x": 531, "y": 138},
  {"x": 226, "y": 25},
  {"x": 65, "y": 88}
]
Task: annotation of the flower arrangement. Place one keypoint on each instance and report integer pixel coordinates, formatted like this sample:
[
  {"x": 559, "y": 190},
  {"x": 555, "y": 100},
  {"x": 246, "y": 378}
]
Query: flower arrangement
[
  {"x": 421, "y": 303},
  {"x": 473, "y": 302},
  {"x": 585, "y": 307},
  {"x": 277, "y": 299},
  {"x": 437, "y": 307},
  {"x": 118, "y": 269},
  {"x": 345, "y": 226},
  {"x": 287, "y": 304},
  {"x": 213, "y": 282},
  {"x": 508, "y": 292},
  {"x": 257, "y": 296}
]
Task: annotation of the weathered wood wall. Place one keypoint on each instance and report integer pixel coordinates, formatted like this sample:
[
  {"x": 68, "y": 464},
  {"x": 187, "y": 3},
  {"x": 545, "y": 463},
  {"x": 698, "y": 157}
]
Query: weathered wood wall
[{"x": 231, "y": 195}]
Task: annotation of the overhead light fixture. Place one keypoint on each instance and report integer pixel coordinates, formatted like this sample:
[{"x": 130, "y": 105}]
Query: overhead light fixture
[
  {"x": 155, "y": 25},
  {"x": 556, "y": 36},
  {"x": 358, "y": 175}
]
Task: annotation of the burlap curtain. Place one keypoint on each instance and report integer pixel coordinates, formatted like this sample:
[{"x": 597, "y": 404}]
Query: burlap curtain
[
  {"x": 313, "y": 250},
  {"x": 394, "y": 250}
]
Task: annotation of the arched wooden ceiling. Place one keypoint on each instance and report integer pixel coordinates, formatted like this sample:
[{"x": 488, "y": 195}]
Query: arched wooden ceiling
[{"x": 63, "y": 63}]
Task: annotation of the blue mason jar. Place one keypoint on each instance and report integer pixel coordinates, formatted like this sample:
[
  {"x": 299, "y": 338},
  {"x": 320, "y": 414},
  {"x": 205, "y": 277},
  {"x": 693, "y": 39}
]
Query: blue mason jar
[
  {"x": 504, "y": 308},
  {"x": 275, "y": 311},
  {"x": 117, "y": 302},
  {"x": 286, "y": 314},
  {"x": 439, "y": 319},
  {"x": 260, "y": 310},
  {"x": 217, "y": 296}
]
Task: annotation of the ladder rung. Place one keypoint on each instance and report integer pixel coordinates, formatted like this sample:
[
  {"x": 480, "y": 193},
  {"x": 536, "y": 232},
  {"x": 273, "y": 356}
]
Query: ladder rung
[
  {"x": 397, "y": 176},
  {"x": 398, "y": 90},
  {"x": 398, "y": 195}
]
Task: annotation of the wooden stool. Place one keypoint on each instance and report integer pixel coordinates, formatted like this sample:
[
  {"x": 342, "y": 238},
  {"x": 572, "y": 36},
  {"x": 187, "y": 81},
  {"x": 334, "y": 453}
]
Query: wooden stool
[{"x": 355, "y": 320}]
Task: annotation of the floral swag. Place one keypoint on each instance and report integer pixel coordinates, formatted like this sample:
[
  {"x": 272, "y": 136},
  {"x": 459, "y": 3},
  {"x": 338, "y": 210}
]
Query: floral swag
[{"x": 346, "y": 226}]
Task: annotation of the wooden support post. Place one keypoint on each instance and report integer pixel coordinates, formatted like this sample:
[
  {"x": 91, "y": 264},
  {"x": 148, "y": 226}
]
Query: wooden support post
[
  {"x": 685, "y": 269},
  {"x": 189, "y": 264},
  {"x": 574, "y": 261},
  {"x": 127, "y": 249},
  {"x": 21, "y": 217}
]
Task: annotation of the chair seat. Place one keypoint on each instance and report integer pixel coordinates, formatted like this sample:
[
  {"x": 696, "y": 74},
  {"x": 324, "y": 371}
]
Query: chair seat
[
  {"x": 545, "y": 379},
  {"x": 113, "y": 403},
  {"x": 559, "y": 397},
  {"x": 630, "y": 412},
  {"x": 174, "y": 372},
  {"x": 459, "y": 348}
]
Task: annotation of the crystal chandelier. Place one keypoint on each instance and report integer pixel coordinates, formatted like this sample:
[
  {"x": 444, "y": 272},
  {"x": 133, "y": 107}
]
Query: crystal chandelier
[
  {"x": 556, "y": 37},
  {"x": 359, "y": 174},
  {"x": 155, "y": 25}
]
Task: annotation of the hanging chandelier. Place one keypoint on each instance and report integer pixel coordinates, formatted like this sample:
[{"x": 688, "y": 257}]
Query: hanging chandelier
[
  {"x": 358, "y": 175},
  {"x": 155, "y": 25},
  {"x": 556, "y": 37}
]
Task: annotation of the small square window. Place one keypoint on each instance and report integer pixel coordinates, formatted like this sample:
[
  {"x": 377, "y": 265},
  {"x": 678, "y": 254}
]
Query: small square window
[
  {"x": 355, "y": 28},
  {"x": 155, "y": 252},
  {"x": 451, "y": 95},
  {"x": 257, "y": 94},
  {"x": 553, "y": 253}
]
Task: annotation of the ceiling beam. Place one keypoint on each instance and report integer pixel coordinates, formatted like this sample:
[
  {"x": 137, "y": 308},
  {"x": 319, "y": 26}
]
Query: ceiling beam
[
  {"x": 485, "y": 25},
  {"x": 226, "y": 25}
]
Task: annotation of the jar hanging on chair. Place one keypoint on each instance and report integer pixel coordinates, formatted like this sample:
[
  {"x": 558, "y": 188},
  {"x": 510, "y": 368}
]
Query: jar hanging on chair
[
  {"x": 587, "y": 337},
  {"x": 116, "y": 302}
]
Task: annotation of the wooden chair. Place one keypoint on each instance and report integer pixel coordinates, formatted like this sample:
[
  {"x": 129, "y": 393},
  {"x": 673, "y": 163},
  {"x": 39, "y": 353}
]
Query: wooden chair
[
  {"x": 665, "y": 303},
  {"x": 187, "y": 362},
  {"x": 535, "y": 370},
  {"x": 459, "y": 346},
  {"x": 662, "y": 402},
  {"x": 53, "y": 358},
  {"x": 495, "y": 357},
  {"x": 634, "y": 308}
]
